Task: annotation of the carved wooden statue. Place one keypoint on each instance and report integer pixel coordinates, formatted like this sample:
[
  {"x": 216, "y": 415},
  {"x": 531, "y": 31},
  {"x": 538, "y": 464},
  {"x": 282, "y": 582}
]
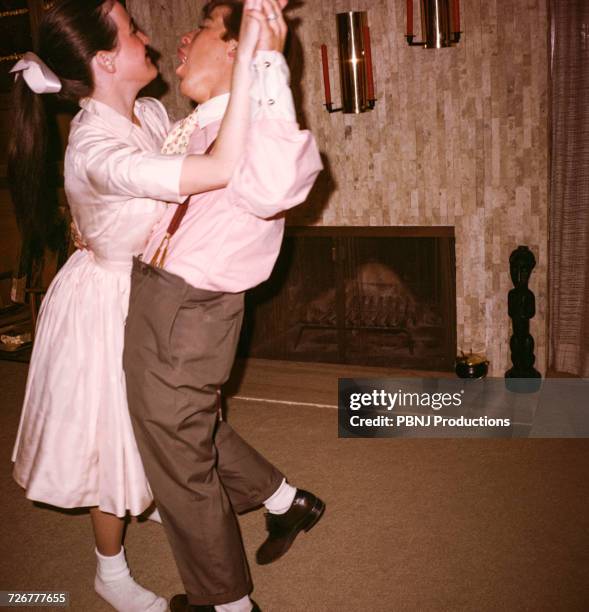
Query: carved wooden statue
[{"x": 521, "y": 308}]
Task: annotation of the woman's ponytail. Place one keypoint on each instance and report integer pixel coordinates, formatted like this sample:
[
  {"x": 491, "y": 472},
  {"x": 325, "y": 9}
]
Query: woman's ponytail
[
  {"x": 70, "y": 35},
  {"x": 36, "y": 210}
]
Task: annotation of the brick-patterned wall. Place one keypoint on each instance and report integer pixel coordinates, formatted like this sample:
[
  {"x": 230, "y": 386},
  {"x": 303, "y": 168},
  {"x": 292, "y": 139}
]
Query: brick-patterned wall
[{"x": 459, "y": 137}]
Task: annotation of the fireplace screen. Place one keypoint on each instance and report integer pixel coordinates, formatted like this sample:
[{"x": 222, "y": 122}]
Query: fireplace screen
[{"x": 362, "y": 296}]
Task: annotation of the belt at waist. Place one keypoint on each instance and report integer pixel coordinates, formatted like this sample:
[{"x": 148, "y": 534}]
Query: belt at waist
[{"x": 112, "y": 265}]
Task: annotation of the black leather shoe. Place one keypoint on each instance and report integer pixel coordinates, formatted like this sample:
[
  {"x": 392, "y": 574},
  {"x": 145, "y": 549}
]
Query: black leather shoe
[
  {"x": 304, "y": 513},
  {"x": 179, "y": 603}
]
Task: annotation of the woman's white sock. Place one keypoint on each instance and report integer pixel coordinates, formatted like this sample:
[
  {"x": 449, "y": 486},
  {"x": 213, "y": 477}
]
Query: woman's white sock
[
  {"x": 115, "y": 584},
  {"x": 154, "y": 516}
]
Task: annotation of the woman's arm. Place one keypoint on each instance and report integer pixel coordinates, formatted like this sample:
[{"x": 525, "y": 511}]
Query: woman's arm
[{"x": 207, "y": 172}]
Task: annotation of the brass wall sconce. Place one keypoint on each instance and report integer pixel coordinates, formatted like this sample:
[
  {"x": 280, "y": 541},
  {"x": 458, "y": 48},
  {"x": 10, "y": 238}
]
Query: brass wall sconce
[
  {"x": 440, "y": 23},
  {"x": 355, "y": 64}
]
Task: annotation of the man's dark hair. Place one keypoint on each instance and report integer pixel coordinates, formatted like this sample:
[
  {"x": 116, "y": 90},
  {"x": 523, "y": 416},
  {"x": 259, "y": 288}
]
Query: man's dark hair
[{"x": 232, "y": 18}]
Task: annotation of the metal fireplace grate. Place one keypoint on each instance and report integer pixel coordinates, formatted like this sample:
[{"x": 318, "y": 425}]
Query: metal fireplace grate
[{"x": 363, "y": 296}]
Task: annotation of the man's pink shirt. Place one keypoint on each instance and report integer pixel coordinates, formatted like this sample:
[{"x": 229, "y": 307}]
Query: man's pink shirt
[{"x": 230, "y": 238}]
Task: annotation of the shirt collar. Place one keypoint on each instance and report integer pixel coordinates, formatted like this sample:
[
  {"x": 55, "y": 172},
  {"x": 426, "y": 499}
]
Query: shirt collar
[
  {"x": 212, "y": 110},
  {"x": 119, "y": 123}
]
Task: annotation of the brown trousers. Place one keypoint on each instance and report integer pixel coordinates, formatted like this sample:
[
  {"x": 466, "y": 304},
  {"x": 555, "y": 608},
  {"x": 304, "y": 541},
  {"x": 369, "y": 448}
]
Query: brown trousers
[{"x": 180, "y": 345}]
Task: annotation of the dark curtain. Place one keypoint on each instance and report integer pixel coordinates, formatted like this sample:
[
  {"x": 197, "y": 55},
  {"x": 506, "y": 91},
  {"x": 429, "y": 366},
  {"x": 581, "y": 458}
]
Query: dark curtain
[{"x": 569, "y": 215}]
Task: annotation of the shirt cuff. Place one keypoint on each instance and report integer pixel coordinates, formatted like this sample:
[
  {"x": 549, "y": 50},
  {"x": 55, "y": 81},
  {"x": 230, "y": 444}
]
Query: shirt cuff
[
  {"x": 159, "y": 177},
  {"x": 270, "y": 90}
]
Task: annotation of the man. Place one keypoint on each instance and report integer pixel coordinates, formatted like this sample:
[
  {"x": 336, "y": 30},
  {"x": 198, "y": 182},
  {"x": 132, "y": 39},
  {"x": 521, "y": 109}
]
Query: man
[{"x": 184, "y": 322}]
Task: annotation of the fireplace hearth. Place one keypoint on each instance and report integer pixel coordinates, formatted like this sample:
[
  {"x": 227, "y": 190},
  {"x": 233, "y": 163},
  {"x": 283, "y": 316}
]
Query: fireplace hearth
[{"x": 362, "y": 296}]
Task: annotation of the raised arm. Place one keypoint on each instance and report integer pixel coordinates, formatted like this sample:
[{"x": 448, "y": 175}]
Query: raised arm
[
  {"x": 213, "y": 171},
  {"x": 280, "y": 162}
]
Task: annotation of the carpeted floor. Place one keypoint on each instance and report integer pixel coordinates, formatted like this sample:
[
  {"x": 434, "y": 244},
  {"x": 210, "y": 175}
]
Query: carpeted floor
[{"x": 411, "y": 525}]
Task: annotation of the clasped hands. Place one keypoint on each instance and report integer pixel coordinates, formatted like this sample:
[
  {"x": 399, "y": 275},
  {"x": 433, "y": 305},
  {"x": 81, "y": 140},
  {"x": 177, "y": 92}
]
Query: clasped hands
[{"x": 262, "y": 29}]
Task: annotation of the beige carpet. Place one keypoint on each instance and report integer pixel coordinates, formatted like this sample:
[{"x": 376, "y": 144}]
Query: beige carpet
[{"x": 411, "y": 525}]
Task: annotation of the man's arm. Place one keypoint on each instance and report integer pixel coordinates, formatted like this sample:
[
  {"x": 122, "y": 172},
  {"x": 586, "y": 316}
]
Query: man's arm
[{"x": 281, "y": 162}]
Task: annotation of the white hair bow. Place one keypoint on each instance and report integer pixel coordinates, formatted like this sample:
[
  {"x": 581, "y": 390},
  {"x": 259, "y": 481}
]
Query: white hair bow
[{"x": 37, "y": 75}]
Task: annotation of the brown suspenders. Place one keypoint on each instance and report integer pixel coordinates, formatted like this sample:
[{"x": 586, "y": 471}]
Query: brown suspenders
[{"x": 159, "y": 258}]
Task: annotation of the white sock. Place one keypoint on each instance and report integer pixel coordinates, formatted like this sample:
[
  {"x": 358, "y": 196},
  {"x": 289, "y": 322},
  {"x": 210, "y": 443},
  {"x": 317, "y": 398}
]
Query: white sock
[
  {"x": 115, "y": 584},
  {"x": 154, "y": 516},
  {"x": 281, "y": 500},
  {"x": 242, "y": 605}
]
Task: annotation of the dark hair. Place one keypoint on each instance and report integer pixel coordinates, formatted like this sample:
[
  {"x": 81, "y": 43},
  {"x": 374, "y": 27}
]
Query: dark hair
[
  {"x": 232, "y": 19},
  {"x": 70, "y": 35}
]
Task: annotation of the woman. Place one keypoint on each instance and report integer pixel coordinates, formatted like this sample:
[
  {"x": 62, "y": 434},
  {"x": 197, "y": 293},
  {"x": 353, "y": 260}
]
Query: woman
[{"x": 75, "y": 445}]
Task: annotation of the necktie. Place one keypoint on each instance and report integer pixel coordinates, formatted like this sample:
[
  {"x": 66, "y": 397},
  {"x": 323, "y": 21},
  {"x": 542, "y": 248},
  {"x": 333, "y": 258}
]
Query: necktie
[
  {"x": 177, "y": 140},
  {"x": 176, "y": 143}
]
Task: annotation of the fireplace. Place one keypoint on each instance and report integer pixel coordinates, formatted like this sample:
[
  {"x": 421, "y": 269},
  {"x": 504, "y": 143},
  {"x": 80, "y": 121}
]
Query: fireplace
[{"x": 377, "y": 296}]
